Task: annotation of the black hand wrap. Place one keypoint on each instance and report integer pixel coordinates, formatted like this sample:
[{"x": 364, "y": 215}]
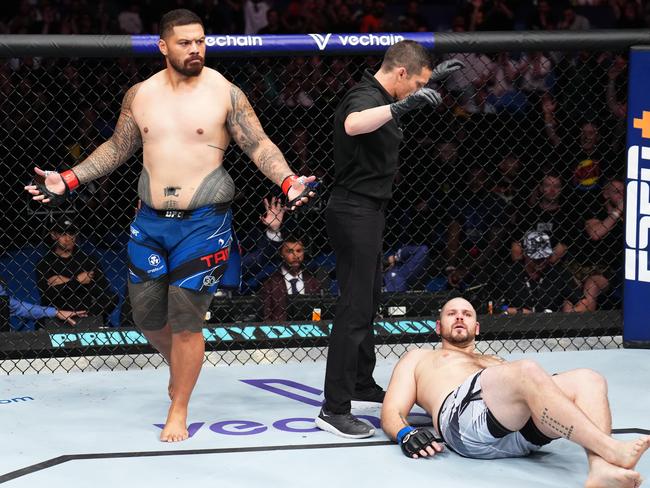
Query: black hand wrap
[
  {"x": 415, "y": 441},
  {"x": 309, "y": 188},
  {"x": 55, "y": 199}
]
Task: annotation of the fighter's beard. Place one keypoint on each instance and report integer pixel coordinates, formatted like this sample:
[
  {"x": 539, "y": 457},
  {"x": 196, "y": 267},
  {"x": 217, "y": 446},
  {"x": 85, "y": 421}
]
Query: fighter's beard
[{"x": 187, "y": 70}]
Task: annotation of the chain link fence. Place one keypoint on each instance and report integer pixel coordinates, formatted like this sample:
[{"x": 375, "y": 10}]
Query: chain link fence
[{"x": 509, "y": 194}]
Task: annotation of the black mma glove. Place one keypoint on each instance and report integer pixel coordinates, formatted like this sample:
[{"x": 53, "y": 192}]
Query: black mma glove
[
  {"x": 446, "y": 68},
  {"x": 416, "y": 100},
  {"x": 55, "y": 199},
  {"x": 413, "y": 440},
  {"x": 309, "y": 189}
]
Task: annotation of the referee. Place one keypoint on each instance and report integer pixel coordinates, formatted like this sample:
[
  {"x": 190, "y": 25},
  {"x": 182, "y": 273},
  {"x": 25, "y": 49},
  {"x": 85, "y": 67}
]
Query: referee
[{"x": 367, "y": 136}]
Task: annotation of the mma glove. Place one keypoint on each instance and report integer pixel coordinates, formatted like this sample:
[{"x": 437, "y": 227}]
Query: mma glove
[
  {"x": 309, "y": 189},
  {"x": 412, "y": 440},
  {"x": 446, "y": 68},
  {"x": 416, "y": 100},
  {"x": 70, "y": 182}
]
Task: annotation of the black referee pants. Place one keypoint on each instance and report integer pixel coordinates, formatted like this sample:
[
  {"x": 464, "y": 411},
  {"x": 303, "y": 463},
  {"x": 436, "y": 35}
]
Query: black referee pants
[{"x": 355, "y": 225}]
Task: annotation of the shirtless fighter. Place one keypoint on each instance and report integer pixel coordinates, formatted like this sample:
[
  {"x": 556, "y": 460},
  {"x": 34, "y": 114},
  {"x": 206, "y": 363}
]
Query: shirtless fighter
[
  {"x": 183, "y": 117},
  {"x": 485, "y": 408}
]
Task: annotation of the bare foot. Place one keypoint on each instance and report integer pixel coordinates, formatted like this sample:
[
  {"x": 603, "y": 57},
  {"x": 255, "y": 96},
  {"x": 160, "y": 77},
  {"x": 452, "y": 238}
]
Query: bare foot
[
  {"x": 175, "y": 429},
  {"x": 605, "y": 475},
  {"x": 629, "y": 453}
]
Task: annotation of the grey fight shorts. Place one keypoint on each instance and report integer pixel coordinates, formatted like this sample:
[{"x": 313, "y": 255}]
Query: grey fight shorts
[{"x": 469, "y": 428}]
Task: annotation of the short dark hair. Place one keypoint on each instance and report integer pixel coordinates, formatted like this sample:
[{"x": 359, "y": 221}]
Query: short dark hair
[
  {"x": 292, "y": 239},
  {"x": 409, "y": 54},
  {"x": 180, "y": 16}
]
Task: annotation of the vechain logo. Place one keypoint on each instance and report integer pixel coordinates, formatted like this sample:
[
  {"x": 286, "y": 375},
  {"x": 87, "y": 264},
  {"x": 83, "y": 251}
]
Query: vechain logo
[
  {"x": 637, "y": 218},
  {"x": 356, "y": 39},
  {"x": 227, "y": 41},
  {"x": 16, "y": 400}
]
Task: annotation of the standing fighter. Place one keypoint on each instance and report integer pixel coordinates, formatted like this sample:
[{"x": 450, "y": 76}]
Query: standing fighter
[
  {"x": 486, "y": 408},
  {"x": 183, "y": 117},
  {"x": 367, "y": 136}
]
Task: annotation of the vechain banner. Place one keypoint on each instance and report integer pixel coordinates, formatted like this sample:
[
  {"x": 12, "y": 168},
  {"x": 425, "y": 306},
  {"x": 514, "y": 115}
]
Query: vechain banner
[
  {"x": 636, "y": 308},
  {"x": 221, "y": 45}
]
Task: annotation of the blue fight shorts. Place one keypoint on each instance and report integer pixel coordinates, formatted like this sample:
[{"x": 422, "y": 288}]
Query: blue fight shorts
[{"x": 195, "y": 249}]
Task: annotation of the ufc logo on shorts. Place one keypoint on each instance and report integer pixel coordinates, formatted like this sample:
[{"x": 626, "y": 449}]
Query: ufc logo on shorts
[
  {"x": 214, "y": 259},
  {"x": 637, "y": 218}
]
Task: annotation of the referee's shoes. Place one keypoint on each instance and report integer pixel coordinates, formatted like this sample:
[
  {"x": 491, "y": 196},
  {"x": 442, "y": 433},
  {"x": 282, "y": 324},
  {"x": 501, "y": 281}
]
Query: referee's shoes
[{"x": 344, "y": 425}]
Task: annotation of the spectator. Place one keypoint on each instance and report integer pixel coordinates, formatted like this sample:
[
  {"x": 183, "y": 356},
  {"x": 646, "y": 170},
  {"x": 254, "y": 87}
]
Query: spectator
[
  {"x": 509, "y": 185},
  {"x": 258, "y": 263},
  {"x": 70, "y": 279},
  {"x": 273, "y": 25},
  {"x": 547, "y": 213},
  {"x": 255, "y": 16},
  {"x": 603, "y": 249},
  {"x": 585, "y": 172},
  {"x": 543, "y": 18},
  {"x": 465, "y": 82},
  {"x": 32, "y": 311},
  {"x": 500, "y": 16},
  {"x": 404, "y": 267},
  {"x": 412, "y": 20},
  {"x": 533, "y": 284},
  {"x": 373, "y": 20},
  {"x": 534, "y": 68},
  {"x": 129, "y": 19},
  {"x": 478, "y": 218},
  {"x": 290, "y": 279},
  {"x": 630, "y": 16},
  {"x": 502, "y": 91},
  {"x": 572, "y": 21}
]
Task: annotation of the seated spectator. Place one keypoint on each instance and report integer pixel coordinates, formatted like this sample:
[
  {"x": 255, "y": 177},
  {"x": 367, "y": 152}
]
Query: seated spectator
[
  {"x": 70, "y": 279},
  {"x": 255, "y": 17},
  {"x": 546, "y": 213},
  {"x": 32, "y": 311},
  {"x": 290, "y": 279},
  {"x": 601, "y": 252},
  {"x": 543, "y": 18},
  {"x": 273, "y": 25},
  {"x": 478, "y": 219},
  {"x": 572, "y": 21},
  {"x": 503, "y": 93},
  {"x": 533, "y": 285},
  {"x": 403, "y": 268}
]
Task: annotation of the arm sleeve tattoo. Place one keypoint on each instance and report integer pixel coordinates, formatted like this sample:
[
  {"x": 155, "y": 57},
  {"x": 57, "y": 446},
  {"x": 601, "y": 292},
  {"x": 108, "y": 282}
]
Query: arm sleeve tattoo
[
  {"x": 246, "y": 130},
  {"x": 123, "y": 143}
]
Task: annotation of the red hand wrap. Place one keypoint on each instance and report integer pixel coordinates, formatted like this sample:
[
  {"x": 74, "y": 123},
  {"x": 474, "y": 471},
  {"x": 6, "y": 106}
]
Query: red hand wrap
[
  {"x": 70, "y": 179},
  {"x": 287, "y": 182}
]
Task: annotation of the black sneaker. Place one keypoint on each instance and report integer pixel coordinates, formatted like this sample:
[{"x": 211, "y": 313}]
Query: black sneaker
[
  {"x": 346, "y": 425},
  {"x": 372, "y": 395}
]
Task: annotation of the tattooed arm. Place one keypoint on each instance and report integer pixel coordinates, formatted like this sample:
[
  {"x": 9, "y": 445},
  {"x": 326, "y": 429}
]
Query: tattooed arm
[
  {"x": 246, "y": 130},
  {"x": 123, "y": 143}
]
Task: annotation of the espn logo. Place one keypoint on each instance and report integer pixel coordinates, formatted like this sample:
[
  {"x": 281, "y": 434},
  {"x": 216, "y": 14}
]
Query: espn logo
[{"x": 637, "y": 218}]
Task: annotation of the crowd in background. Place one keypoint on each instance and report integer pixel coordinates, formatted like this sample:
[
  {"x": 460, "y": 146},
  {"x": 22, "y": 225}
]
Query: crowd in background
[
  {"x": 305, "y": 16},
  {"x": 514, "y": 183}
]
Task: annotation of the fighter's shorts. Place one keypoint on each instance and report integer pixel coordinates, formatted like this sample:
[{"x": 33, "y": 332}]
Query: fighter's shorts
[
  {"x": 194, "y": 249},
  {"x": 469, "y": 428}
]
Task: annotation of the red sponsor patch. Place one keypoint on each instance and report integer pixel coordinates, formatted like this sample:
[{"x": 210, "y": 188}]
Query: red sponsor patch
[{"x": 213, "y": 259}]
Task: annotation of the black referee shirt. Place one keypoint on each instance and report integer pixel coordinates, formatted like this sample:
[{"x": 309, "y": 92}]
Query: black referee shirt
[{"x": 367, "y": 163}]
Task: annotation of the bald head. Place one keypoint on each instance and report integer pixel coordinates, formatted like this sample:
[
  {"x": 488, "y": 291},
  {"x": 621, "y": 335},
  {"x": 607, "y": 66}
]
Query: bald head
[{"x": 458, "y": 303}]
